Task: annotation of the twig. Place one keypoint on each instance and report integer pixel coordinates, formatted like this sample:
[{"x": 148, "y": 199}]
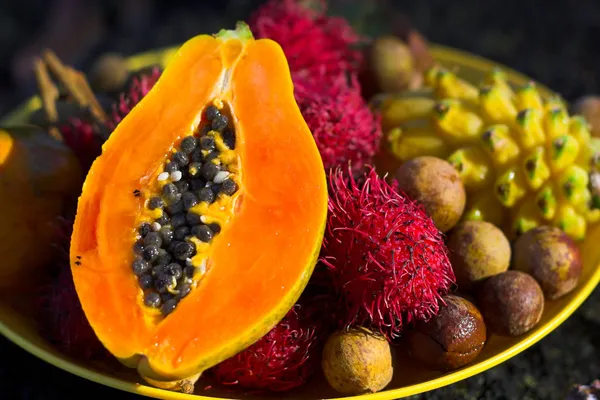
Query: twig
[
  {"x": 49, "y": 95},
  {"x": 76, "y": 85}
]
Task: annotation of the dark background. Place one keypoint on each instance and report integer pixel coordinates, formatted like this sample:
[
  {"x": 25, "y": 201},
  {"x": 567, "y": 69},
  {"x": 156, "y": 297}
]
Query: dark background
[{"x": 557, "y": 43}]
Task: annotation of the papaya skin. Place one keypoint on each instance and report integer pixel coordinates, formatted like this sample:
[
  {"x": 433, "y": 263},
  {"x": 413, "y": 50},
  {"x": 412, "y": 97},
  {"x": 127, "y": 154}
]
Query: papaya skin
[
  {"x": 39, "y": 176},
  {"x": 185, "y": 385},
  {"x": 269, "y": 246}
]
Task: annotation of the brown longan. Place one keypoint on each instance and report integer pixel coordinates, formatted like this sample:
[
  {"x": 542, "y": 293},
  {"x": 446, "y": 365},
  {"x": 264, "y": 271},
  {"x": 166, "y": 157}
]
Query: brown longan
[
  {"x": 437, "y": 186},
  {"x": 477, "y": 250},
  {"x": 551, "y": 257}
]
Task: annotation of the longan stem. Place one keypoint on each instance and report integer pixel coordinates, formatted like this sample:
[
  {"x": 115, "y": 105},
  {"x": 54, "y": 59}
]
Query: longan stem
[
  {"x": 49, "y": 94},
  {"x": 74, "y": 82}
]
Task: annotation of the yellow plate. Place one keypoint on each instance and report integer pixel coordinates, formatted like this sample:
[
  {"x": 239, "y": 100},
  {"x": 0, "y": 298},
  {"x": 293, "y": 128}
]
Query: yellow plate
[{"x": 409, "y": 379}]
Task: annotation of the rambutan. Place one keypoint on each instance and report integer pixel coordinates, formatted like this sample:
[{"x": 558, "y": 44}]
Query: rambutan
[
  {"x": 387, "y": 260},
  {"x": 344, "y": 127},
  {"x": 61, "y": 319},
  {"x": 284, "y": 358},
  {"x": 324, "y": 59},
  {"x": 314, "y": 43},
  {"x": 85, "y": 136},
  {"x": 140, "y": 85}
]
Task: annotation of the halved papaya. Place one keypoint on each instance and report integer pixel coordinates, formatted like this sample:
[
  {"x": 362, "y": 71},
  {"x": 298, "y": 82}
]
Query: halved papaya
[{"x": 201, "y": 222}]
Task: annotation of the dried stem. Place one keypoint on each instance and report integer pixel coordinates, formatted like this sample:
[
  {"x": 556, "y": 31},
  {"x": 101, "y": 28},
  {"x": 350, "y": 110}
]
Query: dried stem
[
  {"x": 49, "y": 95},
  {"x": 76, "y": 85}
]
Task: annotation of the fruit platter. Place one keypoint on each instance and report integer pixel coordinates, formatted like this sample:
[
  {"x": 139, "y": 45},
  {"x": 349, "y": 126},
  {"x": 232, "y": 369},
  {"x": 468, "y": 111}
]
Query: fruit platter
[{"x": 244, "y": 216}]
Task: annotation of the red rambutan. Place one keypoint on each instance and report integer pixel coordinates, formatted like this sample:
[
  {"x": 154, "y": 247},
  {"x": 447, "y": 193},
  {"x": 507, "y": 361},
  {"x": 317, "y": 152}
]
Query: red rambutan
[
  {"x": 61, "y": 319},
  {"x": 85, "y": 138},
  {"x": 315, "y": 44},
  {"x": 388, "y": 261},
  {"x": 324, "y": 62},
  {"x": 284, "y": 358},
  {"x": 344, "y": 127},
  {"x": 139, "y": 87}
]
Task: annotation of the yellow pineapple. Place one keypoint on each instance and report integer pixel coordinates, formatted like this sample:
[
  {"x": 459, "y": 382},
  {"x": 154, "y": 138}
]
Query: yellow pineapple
[{"x": 523, "y": 159}]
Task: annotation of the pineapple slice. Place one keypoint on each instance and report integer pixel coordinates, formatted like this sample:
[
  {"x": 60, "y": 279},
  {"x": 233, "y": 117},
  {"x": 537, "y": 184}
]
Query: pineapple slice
[{"x": 523, "y": 159}]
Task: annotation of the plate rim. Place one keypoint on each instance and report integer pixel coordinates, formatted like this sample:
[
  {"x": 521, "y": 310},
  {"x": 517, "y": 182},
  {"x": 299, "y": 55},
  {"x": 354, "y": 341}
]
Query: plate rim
[{"x": 439, "y": 52}]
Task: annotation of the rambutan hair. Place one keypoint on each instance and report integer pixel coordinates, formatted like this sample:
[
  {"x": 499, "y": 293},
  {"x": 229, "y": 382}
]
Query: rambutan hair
[
  {"x": 283, "y": 359},
  {"x": 139, "y": 87},
  {"x": 387, "y": 260},
  {"x": 324, "y": 60},
  {"x": 86, "y": 136},
  {"x": 315, "y": 44},
  {"x": 344, "y": 127}
]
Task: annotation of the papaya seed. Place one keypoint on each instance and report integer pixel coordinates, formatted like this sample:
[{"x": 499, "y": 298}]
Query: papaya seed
[{"x": 193, "y": 173}]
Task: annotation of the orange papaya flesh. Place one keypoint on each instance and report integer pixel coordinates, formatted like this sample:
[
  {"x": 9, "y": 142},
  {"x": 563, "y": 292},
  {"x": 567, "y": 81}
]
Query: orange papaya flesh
[
  {"x": 255, "y": 266},
  {"x": 39, "y": 179}
]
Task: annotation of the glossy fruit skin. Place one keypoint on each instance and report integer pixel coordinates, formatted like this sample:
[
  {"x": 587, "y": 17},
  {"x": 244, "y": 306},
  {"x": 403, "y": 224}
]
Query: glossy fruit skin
[
  {"x": 40, "y": 178},
  {"x": 450, "y": 340},
  {"x": 274, "y": 234},
  {"x": 523, "y": 159}
]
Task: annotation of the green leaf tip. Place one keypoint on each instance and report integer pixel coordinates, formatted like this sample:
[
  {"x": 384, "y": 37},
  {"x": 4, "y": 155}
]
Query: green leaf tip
[{"x": 242, "y": 32}]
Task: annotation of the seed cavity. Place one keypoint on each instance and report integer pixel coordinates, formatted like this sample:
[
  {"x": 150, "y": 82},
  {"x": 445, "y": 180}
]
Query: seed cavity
[{"x": 182, "y": 216}]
